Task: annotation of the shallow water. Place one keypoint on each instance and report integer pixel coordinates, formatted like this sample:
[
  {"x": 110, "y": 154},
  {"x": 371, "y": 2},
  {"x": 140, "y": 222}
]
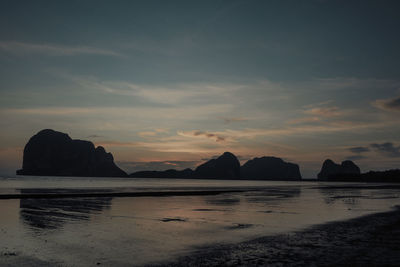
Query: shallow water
[{"x": 82, "y": 231}]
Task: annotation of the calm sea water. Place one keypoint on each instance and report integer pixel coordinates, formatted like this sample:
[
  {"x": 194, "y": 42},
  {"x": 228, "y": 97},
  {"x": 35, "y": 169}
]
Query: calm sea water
[{"x": 83, "y": 231}]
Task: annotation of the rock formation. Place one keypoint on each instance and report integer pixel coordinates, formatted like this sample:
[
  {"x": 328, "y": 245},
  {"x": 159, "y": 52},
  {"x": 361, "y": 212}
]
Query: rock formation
[
  {"x": 226, "y": 166},
  {"x": 53, "y": 153},
  {"x": 270, "y": 168},
  {"x": 388, "y": 176},
  {"x": 331, "y": 169}
]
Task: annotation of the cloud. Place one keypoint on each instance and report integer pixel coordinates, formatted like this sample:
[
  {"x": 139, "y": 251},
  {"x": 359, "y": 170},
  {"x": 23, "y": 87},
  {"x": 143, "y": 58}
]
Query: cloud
[
  {"x": 305, "y": 120},
  {"x": 214, "y": 136},
  {"x": 323, "y": 103},
  {"x": 228, "y": 120},
  {"x": 196, "y": 93},
  {"x": 387, "y": 149},
  {"x": 153, "y": 133},
  {"x": 356, "y": 157},
  {"x": 324, "y": 111},
  {"x": 239, "y": 157},
  {"x": 53, "y": 49},
  {"x": 94, "y": 136},
  {"x": 134, "y": 166},
  {"x": 318, "y": 113},
  {"x": 116, "y": 144},
  {"x": 359, "y": 149},
  {"x": 147, "y": 134},
  {"x": 171, "y": 113},
  {"x": 346, "y": 83},
  {"x": 391, "y": 104}
]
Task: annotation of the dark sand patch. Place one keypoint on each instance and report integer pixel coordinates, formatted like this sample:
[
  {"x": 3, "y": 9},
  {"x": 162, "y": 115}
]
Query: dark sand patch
[
  {"x": 23, "y": 261},
  {"x": 274, "y": 211},
  {"x": 211, "y": 210},
  {"x": 372, "y": 240},
  {"x": 237, "y": 226},
  {"x": 173, "y": 220}
]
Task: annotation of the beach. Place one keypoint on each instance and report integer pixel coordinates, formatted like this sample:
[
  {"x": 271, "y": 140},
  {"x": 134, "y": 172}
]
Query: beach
[
  {"x": 61, "y": 221},
  {"x": 372, "y": 240}
]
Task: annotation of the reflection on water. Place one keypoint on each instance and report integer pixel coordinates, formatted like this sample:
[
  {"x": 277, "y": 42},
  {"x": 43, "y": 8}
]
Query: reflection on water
[
  {"x": 53, "y": 213},
  {"x": 81, "y": 231}
]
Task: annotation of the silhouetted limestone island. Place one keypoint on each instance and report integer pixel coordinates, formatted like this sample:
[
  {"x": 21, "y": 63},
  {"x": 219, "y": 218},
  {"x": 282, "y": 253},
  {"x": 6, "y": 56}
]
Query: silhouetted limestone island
[
  {"x": 52, "y": 153},
  {"x": 226, "y": 166},
  {"x": 330, "y": 169},
  {"x": 270, "y": 168},
  {"x": 389, "y": 176}
]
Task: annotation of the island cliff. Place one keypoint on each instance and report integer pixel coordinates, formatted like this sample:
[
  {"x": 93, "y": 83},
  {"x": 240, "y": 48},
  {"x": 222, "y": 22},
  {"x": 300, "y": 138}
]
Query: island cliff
[
  {"x": 330, "y": 169},
  {"x": 270, "y": 168},
  {"x": 226, "y": 166},
  {"x": 52, "y": 153}
]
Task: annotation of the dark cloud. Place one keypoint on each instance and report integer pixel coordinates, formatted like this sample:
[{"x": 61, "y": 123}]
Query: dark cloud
[
  {"x": 387, "y": 149},
  {"x": 356, "y": 157},
  {"x": 388, "y": 104},
  {"x": 133, "y": 166},
  {"x": 359, "y": 149},
  {"x": 218, "y": 138}
]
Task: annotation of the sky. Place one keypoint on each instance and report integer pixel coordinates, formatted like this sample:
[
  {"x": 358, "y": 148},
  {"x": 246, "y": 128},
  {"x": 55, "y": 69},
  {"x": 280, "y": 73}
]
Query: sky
[{"x": 170, "y": 84}]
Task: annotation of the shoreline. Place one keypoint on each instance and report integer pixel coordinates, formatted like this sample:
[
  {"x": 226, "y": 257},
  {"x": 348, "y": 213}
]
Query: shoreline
[
  {"x": 96, "y": 193},
  {"x": 370, "y": 240},
  {"x": 119, "y": 194}
]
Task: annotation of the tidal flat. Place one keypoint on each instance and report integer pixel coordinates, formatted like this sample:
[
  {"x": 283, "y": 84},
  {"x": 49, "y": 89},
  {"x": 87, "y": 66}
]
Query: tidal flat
[{"x": 138, "y": 222}]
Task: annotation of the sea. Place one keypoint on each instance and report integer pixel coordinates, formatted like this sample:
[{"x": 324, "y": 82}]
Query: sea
[{"x": 77, "y": 221}]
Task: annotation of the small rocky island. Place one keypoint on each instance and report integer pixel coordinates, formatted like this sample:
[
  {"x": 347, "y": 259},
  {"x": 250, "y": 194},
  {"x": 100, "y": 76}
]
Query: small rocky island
[
  {"x": 52, "y": 153},
  {"x": 348, "y": 171},
  {"x": 330, "y": 169},
  {"x": 270, "y": 168},
  {"x": 227, "y": 166}
]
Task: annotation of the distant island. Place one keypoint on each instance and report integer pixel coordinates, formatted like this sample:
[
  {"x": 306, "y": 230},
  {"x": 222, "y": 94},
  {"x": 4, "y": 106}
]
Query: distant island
[
  {"x": 53, "y": 153},
  {"x": 227, "y": 166},
  {"x": 348, "y": 171},
  {"x": 330, "y": 169}
]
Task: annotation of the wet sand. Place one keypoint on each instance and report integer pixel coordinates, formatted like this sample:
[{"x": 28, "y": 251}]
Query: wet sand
[
  {"x": 187, "y": 224},
  {"x": 372, "y": 240}
]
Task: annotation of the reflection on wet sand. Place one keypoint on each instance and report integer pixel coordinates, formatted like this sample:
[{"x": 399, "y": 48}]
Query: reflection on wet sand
[
  {"x": 223, "y": 200},
  {"x": 275, "y": 195},
  {"x": 121, "y": 231},
  {"x": 53, "y": 213},
  {"x": 349, "y": 196}
]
